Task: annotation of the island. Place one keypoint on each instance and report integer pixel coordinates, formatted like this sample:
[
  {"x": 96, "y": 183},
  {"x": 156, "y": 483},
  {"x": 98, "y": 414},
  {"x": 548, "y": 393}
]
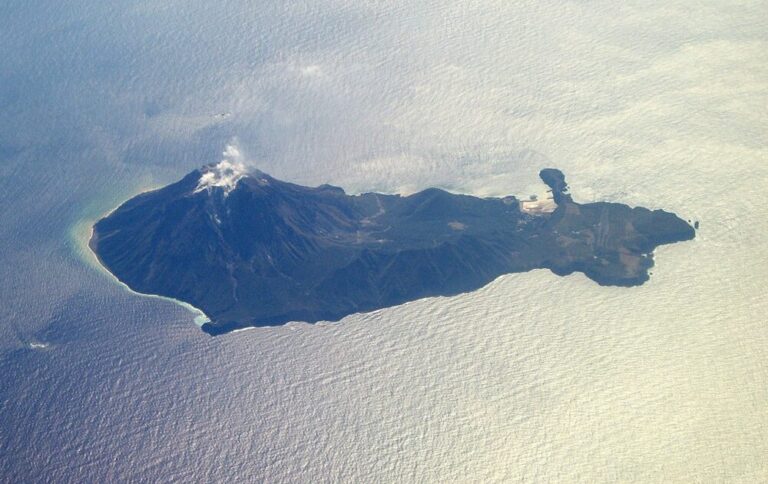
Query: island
[{"x": 250, "y": 250}]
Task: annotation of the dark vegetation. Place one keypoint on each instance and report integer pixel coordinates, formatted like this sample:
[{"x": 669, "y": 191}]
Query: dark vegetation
[{"x": 270, "y": 252}]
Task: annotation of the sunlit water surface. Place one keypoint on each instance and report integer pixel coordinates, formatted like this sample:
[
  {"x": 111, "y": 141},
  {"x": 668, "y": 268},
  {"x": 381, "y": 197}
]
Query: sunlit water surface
[{"x": 534, "y": 377}]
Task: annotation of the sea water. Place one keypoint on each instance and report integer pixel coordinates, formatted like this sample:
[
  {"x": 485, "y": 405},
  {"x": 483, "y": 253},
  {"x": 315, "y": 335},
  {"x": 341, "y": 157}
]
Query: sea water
[{"x": 534, "y": 377}]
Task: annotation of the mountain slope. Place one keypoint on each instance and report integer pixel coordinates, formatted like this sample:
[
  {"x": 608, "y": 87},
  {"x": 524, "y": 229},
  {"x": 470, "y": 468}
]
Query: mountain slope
[{"x": 251, "y": 250}]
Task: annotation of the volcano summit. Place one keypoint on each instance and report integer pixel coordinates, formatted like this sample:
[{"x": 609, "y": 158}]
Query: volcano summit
[{"x": 250, "y": 250}]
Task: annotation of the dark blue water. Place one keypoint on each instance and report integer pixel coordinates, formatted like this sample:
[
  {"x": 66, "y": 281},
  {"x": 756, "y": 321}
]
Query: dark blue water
[{"x": 659, "y": 105}]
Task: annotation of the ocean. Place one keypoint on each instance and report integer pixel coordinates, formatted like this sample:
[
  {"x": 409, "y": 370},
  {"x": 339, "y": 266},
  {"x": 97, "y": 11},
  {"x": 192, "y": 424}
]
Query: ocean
[{"x": 532, "y": 378}]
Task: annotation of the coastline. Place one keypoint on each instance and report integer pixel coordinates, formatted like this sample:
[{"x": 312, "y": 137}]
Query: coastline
[
  {"x": 610, "y": 254},
  {"x": 82, "y": 234}
]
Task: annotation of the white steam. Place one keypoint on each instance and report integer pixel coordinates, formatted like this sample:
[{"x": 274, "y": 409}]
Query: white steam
[{"x": 226, "y": 173}]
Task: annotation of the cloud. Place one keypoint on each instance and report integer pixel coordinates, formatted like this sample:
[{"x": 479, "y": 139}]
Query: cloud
[
  {"x": 226, "y": 173},
  {"x": 313, "y": 70}
]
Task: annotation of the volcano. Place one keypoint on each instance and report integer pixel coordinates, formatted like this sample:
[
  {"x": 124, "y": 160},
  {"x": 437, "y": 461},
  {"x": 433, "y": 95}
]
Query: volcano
[{"x": 250, "y": 250}]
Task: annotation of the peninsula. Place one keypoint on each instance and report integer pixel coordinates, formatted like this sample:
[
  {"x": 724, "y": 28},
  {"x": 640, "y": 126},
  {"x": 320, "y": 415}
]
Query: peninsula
[{"x": 250, "y": 250}]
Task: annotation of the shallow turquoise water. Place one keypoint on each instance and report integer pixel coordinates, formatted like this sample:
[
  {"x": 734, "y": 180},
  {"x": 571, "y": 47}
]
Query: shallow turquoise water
[{"x": 534, "y": 377}]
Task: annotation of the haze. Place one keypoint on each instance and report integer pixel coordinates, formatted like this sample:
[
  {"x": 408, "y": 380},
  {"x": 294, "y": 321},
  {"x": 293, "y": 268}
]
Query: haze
[{"x": 534, "y": 377}]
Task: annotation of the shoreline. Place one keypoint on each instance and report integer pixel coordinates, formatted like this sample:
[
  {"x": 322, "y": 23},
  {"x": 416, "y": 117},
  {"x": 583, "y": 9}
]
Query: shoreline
[{"x": 82, "y": 245}]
